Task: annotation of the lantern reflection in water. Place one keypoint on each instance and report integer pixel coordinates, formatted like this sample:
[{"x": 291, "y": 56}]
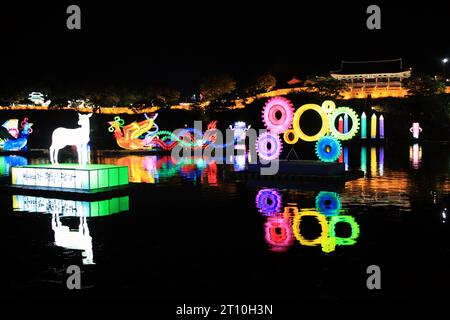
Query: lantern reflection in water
[
  {"x": 6, "y": 162},
  {"x": 153, "y": 169},
  {"x": 281, "y": 227},
  {"x": 415, "y": 155},
  {"x": 364, "y": 159},
  {"x": 65, "y": 237},
  {"x": 373, "y": 161},
  {"x": 381, "y": 161}
]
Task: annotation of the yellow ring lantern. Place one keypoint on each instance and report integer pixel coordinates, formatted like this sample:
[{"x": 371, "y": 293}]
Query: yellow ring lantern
[
  {"x": 287, "y": 136},
  {"x": 296, "y": 122}
]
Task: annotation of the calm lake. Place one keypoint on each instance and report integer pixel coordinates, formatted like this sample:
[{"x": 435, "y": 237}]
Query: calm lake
[{"x": 188, "y": 230}]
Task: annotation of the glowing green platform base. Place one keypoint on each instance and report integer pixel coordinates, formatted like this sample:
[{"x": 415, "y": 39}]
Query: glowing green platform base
[
  {"x": 70, "y": 208},
  {"x": 70, "y": 176}
]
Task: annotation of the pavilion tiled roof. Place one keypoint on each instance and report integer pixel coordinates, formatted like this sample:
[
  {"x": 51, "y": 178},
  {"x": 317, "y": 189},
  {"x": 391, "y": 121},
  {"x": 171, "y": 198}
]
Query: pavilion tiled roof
[{"x": 371, "y": 67}]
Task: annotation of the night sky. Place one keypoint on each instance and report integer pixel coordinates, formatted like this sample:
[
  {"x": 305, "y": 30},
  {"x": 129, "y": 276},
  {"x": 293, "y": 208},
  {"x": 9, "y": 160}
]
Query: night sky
[{"x": 127, "y": 44}]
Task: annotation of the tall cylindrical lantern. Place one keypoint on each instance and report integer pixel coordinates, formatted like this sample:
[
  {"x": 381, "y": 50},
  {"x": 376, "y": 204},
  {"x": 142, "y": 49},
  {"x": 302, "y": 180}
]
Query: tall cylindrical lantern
[
  {"x": 381, "y": 126},
  {"x": 373, "y": 127},
  {"x": 363, "y": 126}
]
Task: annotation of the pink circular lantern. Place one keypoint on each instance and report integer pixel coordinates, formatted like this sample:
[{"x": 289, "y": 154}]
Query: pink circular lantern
[{"x": 277, "y": 114}]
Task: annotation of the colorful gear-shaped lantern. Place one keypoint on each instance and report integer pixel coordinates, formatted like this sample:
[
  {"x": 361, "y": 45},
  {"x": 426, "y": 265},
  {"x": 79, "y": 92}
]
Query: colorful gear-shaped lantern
[
  {"x": 269, "y": 146},
  {"x": 328, "y": 149},
  {"x": 296, "y": 122},
  {"x": 355, "y": 123},
  {"x": 328, "y": 106},
  {"x": 277, "y": 114},
  {"x": 290, "y": 136}
]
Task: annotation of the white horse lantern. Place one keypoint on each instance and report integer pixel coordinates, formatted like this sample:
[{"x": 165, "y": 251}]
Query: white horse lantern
[{"x": 78, "y": 137}]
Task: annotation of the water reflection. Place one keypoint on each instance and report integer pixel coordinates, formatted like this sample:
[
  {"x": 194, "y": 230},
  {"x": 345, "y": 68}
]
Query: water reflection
[
  {"x": 283, "y": 226},
  {"x": 66, "y": 237},
  {"x": 346, "y": 161},
  {"x": 70, "y": 208},
  {"x": 381, "y": 160},
  {"x": 363, "y": 159},
  {"x": 79, "y": 239},
  {"x": 415, "y": 156},
  {"x": 373, "y": 162},
  {"x": 376, "y": 161},
  {"x": 154, "y": 169},
  {"x": 239, "y": 162},
  {"x": 6, "y": 162}
]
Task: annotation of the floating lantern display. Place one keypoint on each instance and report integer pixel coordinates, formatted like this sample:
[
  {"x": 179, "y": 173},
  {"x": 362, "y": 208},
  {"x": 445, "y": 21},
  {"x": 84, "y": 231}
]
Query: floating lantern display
[
  {"x": 81, "y": 177},
  {"x": 269, "y": 146},
  {"x": 145, "y": 135},
  {"x": 296, "y": 122},
  {"x": 345, "y": 123},
  {"x": 18, "y": 138},
  {"x": 355, "y": 123},
  {"x": 328, "y": 106},
  {"x": 277, "y": 114},
  {"x": 240, "y": 129},
  {"x": 415, "y": 130},
  {"x": 381, "y": 126},
  {"x": 328, "y": 149},
  {"x": 136, "y": 135},
  {"x": 363, "y": 126},
  {"x": 78, "y": 137},
  {"x": 278, "y": 111},
  {"x": 373, "y": 126},
  {"x": 340, "y": 125},
  {"x": 290, "y": 137}
]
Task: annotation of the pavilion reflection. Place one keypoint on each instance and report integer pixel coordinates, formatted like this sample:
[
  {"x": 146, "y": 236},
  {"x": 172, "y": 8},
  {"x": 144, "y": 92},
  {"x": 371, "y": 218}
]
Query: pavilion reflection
[
  {"x": 284, "y": 225},
  {"x": 64, "y": 211}
]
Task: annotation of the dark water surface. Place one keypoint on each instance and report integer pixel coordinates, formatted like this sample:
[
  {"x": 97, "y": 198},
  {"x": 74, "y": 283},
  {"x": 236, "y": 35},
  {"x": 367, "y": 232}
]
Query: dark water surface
[{"x": 192, "y": 232}]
